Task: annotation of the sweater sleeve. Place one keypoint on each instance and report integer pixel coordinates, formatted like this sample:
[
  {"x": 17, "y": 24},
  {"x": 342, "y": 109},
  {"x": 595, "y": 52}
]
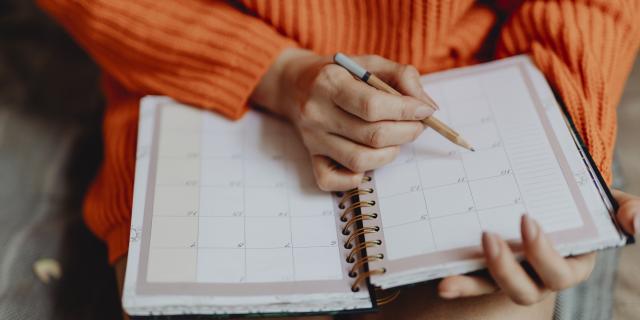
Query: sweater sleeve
[
  {"x": 586, "y": 50},
  {"x": 206, "y": 53}
]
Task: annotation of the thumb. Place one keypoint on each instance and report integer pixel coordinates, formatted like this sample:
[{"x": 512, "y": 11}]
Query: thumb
[
  {"x": 332, "y": 177},
  {"x": 464, "y": 286},
  {"x": 628, "y": 214}
]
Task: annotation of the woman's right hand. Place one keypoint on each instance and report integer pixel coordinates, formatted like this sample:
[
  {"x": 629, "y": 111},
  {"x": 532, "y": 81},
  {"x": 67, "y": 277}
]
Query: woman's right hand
[{"x": 347, "y": 126}]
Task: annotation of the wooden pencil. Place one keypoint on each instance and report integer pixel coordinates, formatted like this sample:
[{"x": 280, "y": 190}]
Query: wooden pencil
[{"x": 371, "y": 79}]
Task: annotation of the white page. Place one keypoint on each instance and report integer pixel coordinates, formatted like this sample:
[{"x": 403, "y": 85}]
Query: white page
[
  {"x": 460, "y": 193},
  {"x": 436, "y": 198},
  {"x": 228, "y": 219},
  {"x": 223, "y": 204}
]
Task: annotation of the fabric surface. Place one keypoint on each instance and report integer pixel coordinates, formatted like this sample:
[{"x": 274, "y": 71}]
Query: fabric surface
[
  {"x": 50, "y": 149},
  {"x": 593, "y": 299},
  {"x": 213, "y": 53}
]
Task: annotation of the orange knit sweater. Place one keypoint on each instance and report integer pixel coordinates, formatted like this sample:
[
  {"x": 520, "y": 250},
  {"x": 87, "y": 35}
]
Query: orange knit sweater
[{"x": 213, "y": 53}]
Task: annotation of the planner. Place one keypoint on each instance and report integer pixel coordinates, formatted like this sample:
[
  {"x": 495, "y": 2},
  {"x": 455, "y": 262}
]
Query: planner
[{"x": 227, "y": 218}]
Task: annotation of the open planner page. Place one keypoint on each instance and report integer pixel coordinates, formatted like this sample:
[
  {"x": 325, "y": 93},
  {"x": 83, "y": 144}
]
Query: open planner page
[
  {"x": 437, "y": 198},
  {"x": 227, "y": 219}
]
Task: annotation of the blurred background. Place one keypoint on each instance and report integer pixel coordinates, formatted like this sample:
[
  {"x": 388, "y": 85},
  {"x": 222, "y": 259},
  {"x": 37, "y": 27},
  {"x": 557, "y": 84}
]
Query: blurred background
[{"x": 50, "y": 149}]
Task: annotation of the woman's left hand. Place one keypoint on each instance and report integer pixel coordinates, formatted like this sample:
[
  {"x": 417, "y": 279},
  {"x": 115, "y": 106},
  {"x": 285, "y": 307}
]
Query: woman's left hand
[{"x": 549, "y": 270}]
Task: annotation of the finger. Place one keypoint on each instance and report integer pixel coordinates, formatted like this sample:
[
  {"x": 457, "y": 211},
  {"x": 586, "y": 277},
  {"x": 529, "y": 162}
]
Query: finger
[
  {"x": 628, "y": 215},
  {"x": 353, "y": 156},
  {"x": 465, "y": 286},
  {"x": 377, "y": 134},
  {"x": 582, "y": 264},
  {"x": 623, "y": 197},
  {"x": 404, "y": 77},
  {"x": 331, "y": 177},
  {"x": 508, "y": 273},
  {"x": 370, "y": 104},
  {"x": 556, "y": 272}
]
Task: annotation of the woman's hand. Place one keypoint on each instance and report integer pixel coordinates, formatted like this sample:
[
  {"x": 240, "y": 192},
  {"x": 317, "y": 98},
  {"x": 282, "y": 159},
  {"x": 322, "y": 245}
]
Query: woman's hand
[
  {"x": 549, "y": 271},
  {"x": 342, "y": 120}
]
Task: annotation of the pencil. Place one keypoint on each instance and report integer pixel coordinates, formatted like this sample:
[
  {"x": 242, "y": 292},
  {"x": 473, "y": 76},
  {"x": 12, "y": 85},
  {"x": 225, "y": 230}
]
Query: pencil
[{"x": 371, "y": 79}]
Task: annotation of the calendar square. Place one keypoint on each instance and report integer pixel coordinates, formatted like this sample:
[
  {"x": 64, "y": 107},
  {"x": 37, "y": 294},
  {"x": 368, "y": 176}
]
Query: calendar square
[
  {"x": 504, "y": 221},
  {"x": 269, "y": 265},
  {"x": 222, "y": 172},
  {"x": 314, "y": 231},
  {"x": 414, "y": 208},
  {"x": 261, "y": 201},
  {"x": 267, "y": 173},
  {"x": 308, "y": 265},
  {"x": 449, "y": 199},
  {"x": 171, "y": 265},
  {"x": 221, "y": 201},
  {"x": 174, "y": 232},
  {"x": 397, "y": 238},
  {"x": 495, "y": 192},
  {"x": 270, "y": 232},
  {"x": 398, "y": 179},
  {"x": 176, "y": 171},
  {"x": 486, "y": 163},
  {"x": 175, "y": 200},
  {"x": 456, "y": 231},
  {"x": 482, "y": 136},
  {"x": 183, "y": 144},
  {"x": 221, "y": 145},
  {"x": 440, "y": 171},
  {"x": 310, "y": 202},
  {"x": 221, "y": 232},
  {"x": 221, "y": 265}
]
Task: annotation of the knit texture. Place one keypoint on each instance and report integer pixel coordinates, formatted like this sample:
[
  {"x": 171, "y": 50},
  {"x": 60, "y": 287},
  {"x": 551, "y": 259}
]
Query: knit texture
[{"x": 211, "y": 54}]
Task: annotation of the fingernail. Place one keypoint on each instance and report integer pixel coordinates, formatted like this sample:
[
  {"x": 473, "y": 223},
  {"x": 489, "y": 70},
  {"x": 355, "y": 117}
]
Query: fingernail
[
  {"x": 490, "y": 244},
  {"x": 449, "y": 294},
  {"x": 530, "y": 228},
  {"x": 636, "y": 224},
  {"x": 422, "y": 112},
  {"x": 433, "y": 104}
]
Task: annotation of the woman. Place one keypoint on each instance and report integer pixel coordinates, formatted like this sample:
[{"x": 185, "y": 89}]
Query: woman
[{"x": 225, "y": 55}]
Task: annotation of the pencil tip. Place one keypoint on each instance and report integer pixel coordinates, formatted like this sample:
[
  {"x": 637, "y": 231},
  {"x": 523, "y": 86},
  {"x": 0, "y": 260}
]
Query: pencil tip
[{"x": 472, "y": 149}]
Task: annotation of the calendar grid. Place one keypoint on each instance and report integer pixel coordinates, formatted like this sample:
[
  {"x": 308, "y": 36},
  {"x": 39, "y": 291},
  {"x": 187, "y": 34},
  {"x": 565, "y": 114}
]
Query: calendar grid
[
  {"x": 239, "y": 197},
  {"x": 454, "y": 185}
]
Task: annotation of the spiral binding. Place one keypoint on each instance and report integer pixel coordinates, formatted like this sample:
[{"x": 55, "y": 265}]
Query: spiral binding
[{"x": 355, "y": 231}]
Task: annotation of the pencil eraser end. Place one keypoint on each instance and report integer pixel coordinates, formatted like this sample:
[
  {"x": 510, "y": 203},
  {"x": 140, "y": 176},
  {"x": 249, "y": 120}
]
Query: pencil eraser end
[{"x": 346, "y": 62}]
